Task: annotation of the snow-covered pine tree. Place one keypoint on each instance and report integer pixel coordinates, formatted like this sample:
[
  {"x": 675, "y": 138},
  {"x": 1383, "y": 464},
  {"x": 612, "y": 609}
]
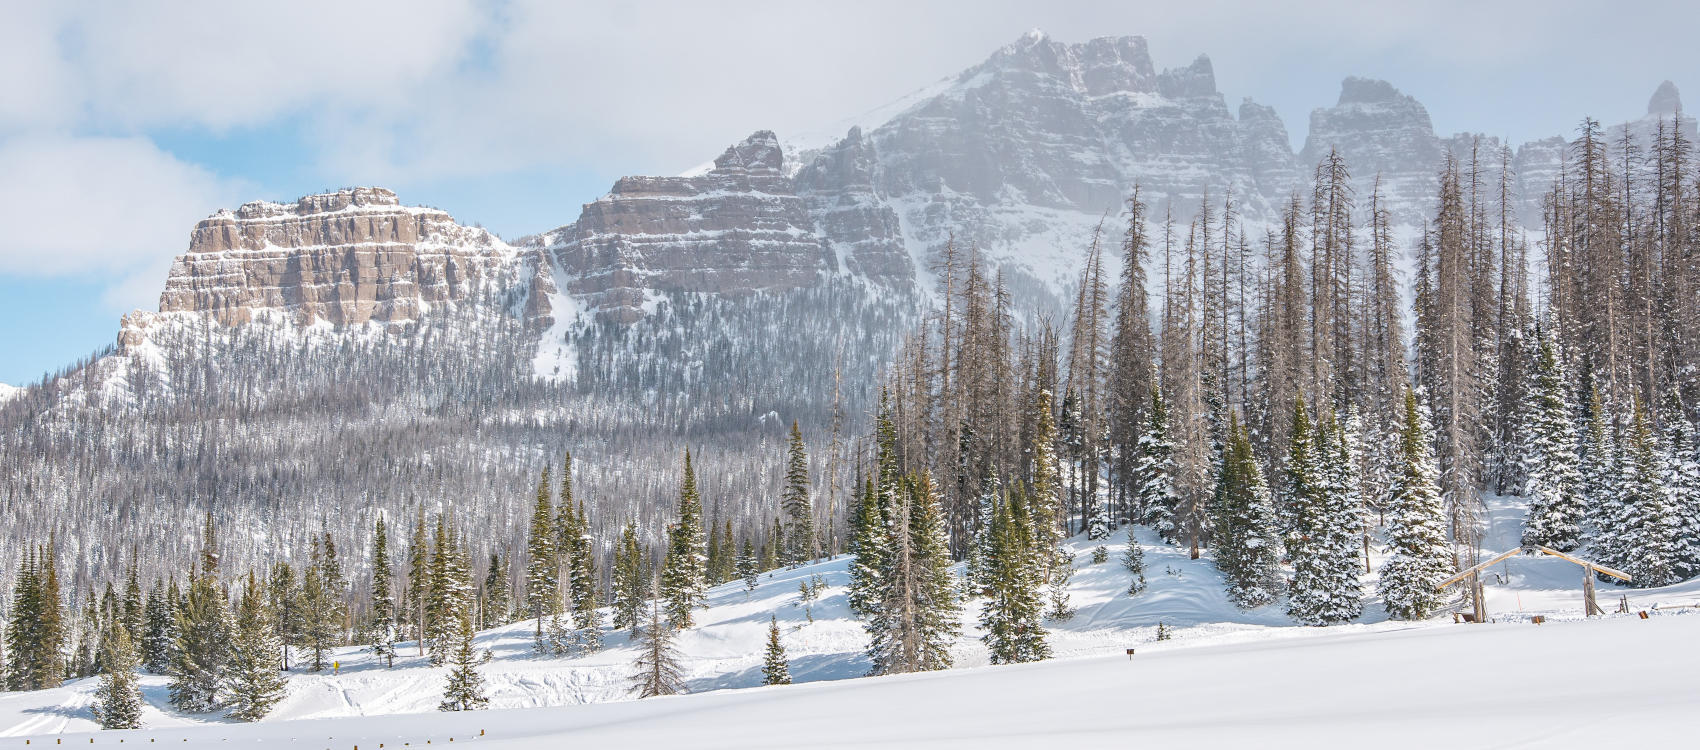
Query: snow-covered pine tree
[
  {"x": 1598, "y": 466},
  {"x": 657, "y": 669},
  {"x": 284, "y": 593},
  {"x": 1247, "y": 537},
  {"x": 917, "y": 619},
  {"x": 682, "y": 577},
  {"x": 1154, "y": 470},
  {"x": 977, "y": 566},
  {"x": 1011, "y": 611},
  {"x": 380, "y": 619},
  {"x": 1554, "y": 485},
  {"x": 118, "y": 699},
  {"x": 1682, "y": 481},
  {"x": 1643, "y": 537},
  {"x": 418, "y": 593},
  {"x": 540, "y": 561},
  {"x": 159, "y": 631},
  {"x": 747, "y": 569},
  {"x": 321, "y": 610},
  {"x": 775, "y": 668},
  {"x": 871, "y": 521},
  {"x": 1133, "y": 558},
  {"x": 133, "y": 615},
  {"x": 498, "y": 599},
  {"x": 801, "y": 542},
  {"x": 203, "y": 647},
  {"x": 1416, "y": 526},
  {"x": 1325, "y": 587},
  {"x": 253, "y": 678},
  {"x": 631, "y": 580},
  {"x": 1056, "y": 566},
  {"x": 464, "y": 690}
]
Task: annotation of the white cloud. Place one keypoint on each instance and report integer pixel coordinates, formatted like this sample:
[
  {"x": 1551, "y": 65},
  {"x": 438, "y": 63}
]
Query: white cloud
[{"x": 117, "y": 208}]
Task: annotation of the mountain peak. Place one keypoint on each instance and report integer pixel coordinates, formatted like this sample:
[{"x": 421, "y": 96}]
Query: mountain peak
[
  {"x": 1355, "y": 90},
  {"x": 759, "y": 153},
  {"x": 1665, "y": 101}
]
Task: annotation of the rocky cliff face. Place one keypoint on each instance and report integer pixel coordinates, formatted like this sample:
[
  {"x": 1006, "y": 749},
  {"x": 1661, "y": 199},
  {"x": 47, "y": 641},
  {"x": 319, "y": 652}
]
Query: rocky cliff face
[{"x": 345, "y": 258}]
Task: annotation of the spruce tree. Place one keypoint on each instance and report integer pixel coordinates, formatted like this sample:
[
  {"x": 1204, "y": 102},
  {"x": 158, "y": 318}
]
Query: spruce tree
[
  {"x": 1010, "y": 613},
  {"x": 1644, "y": 535},
  {"x": 1598, "y": 467},
  {"x": 381, "y": 620},
  {"x": 464, "y": 690},
  {"x": 657, "y": 669},
  {"x": 541, "y": 566},
  {"x": 497, "y": 600},
  {"x": 1554, "y": 485},
  {"x": 321, "y": 608},
  {"x": 203, "y": 648},
  {"x": 1055, "y": 565},
  {"x": 1154, "y": 471},
  {"x": 748, "y": 569},
  {"x": 118, "y": 699},
  {"x": 133, "y": 615},
  {"x": 285, "y": 594},
  {"x": 775, "y": 668},
  {"x": 1325, "y": 587},
  {"x": 159, "y": 631},
  {"x": 1247, "y": 538},
  {"x": 254, "y": 680},
  {"x": 418, "y": 591},
  {"x": 1682, "y": 481},
  {"x": 682, "y": 576},
  {"x": 917, "y": 619},
  {"x": 451, "y": 593},
  {"x": 631, "y": 579},
  {"x": 801, "y": 544},
  {"x": 1133, "y": 558},
  {"x": 1416, "y": 527}
]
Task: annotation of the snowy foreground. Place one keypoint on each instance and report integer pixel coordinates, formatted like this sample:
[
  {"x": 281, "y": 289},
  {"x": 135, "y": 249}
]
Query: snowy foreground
[{"x": 1228, "y": 677}]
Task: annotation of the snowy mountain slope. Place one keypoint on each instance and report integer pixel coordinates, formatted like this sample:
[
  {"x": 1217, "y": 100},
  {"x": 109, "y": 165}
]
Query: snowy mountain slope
[
  {"x": 9, "y": 392},
  {"x": 825, "y": 644},
  {"x": 1396, "y": 688}
]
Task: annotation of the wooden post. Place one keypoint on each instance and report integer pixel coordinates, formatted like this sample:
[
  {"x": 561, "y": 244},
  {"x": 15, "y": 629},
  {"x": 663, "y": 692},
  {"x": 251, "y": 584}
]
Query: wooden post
[
  {"x": 1590, "y": 606},
  {"x": 1479, "y": 602}
]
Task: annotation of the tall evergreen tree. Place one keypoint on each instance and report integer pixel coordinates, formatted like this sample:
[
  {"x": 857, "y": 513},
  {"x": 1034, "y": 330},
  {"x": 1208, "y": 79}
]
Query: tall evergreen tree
[
  {"x": 159, "y": 632},
  {"x": 775, "y": 668},
  {"x": 203, "y": 647},
  {"x": 1247, "y": 537},
  {"x": 118, "y": 699},
  {"x": 801, "y": 543},
  {"x": 1011, "y": 611},
  {"x": 1682, "y": 481},
  {"x": 1154, "y": 471},
  {"x": 683, "y": 582},
  {"x": 541, "y": 565},
  {"x": 381, "y": 619},
  {"x": 254, "y": 680},
  {"x": 1644, "y": 532},
  {"x": 464, "y": 690},
  {"x": 631, "y": 578},
  {"x": 1325, "y": 585},
  {"x": 1554, "y": 486},
  {"x": 1416, "y": 529},
  {"x": 917, "y": 619}
]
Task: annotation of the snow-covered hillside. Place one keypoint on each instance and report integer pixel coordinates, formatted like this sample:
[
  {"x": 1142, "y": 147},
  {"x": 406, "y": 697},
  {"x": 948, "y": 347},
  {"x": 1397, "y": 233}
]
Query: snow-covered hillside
[{"x": 1215, "y": 647}]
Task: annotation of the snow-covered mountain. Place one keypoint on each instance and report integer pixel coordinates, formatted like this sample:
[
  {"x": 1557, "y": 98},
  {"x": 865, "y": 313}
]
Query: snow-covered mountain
[{"x": 708, "y": 310}]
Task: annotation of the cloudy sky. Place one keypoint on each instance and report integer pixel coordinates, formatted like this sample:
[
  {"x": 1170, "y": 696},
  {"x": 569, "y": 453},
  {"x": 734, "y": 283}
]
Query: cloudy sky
[{"x": 122, "y": 125}]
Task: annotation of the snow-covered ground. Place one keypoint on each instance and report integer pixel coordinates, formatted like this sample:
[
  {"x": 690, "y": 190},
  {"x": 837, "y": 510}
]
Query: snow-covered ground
[{"x": 1227, "y": 673}]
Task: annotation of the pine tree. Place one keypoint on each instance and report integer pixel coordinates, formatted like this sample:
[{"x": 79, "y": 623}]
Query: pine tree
[
  {"x": 748, "y": 568},
  {"x": 1133, "y": 558},
  {"x": 464, "y": 690},
  {"x": 682, "y": 577},
  {"x": 631, "y": 578},
  {"x": 381, "y": 620},
  {"x": 451, "y": 595},
  {"x": 1682, "y": 481},
  {"x": 1644, "y": 532},
  {"x": 321, "y": 607},
  {"x": 801, "y": 544},
  {"x": 1247, "y": 537},
  {"x": 253, "y": 678},
  {"x": 541, "y": 566},
  {"x": 133, "y": 615},
  {"x": 159, "y": 631},
  {"x": 870, "y": 522},
  {"x": 418, "y": 592},
  {"x": 203, "y": 647},
  {"x": 775, "y": 668},
  {"x": 1154, "y": 470},
  {"x": 285, "y": 594},
  {"x": 1598, "y": 467},
  {"x": 118, "y": 699},
  {"x": 1011, "y": 611},
  {"x": 657, "y": 669},
  {"x": 917, "y": 619},
  {"x": 1325, "y": 585},
  {"x": 1056, "y": 566},
  {"x": 1416, "y": 529},
  {"x": 497, "y": 600},
  {"x": 1554, "y": 486}
]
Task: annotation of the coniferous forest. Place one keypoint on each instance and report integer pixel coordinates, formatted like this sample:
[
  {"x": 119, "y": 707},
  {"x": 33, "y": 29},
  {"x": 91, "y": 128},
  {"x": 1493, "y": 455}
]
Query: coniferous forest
[{"x": 1300, "y": 402}]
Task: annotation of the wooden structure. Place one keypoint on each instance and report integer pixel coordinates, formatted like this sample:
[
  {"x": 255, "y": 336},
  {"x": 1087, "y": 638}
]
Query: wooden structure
[{"x": 1589, "y": 569}]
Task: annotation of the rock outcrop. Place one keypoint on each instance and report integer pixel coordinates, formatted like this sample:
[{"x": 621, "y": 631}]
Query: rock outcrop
[
  {"x": 737, "y": 229},
  {"x": 345, "y": 258}
]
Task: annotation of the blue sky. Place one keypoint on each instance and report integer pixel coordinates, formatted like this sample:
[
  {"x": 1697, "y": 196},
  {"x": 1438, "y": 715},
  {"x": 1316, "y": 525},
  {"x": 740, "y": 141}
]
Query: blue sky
[{"x": 120, "y": 126}]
